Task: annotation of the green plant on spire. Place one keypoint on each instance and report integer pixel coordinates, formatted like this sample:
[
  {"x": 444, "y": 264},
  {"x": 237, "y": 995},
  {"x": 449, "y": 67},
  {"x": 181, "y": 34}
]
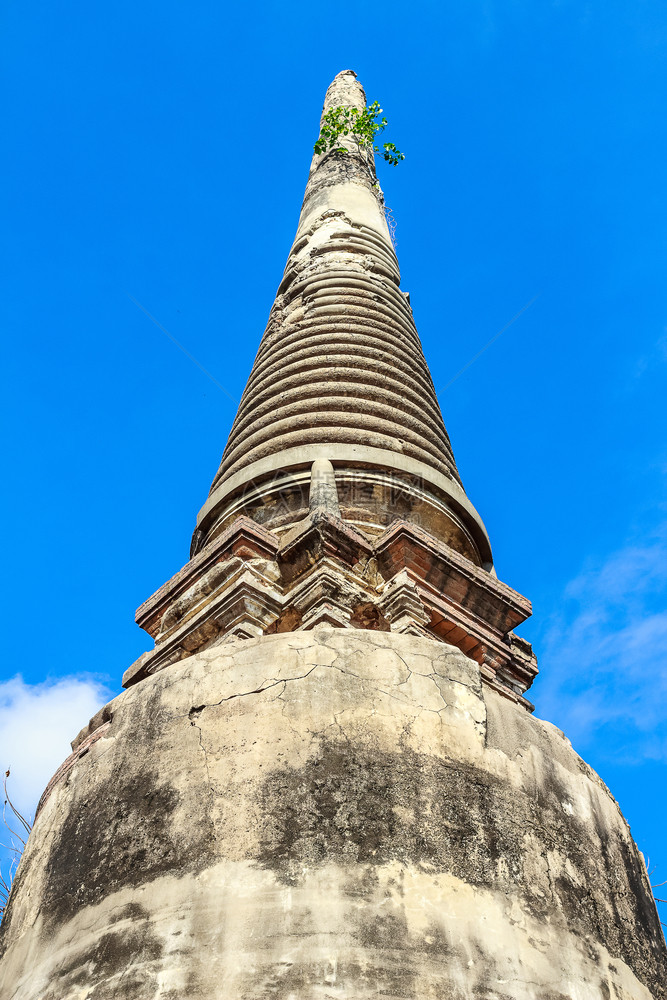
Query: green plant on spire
[{"x": 361, "y": 126}]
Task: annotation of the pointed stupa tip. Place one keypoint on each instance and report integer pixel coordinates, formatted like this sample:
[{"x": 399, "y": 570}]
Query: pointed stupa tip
[
  {"x": 344, "y": 184},
  {"x": 345, "y": 90}
]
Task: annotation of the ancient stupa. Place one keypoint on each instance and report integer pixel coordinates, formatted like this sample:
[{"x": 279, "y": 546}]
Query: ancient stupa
[{"x": 325, "y": 781}]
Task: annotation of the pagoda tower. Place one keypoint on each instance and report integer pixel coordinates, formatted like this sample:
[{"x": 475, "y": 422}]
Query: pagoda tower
[{"x": 325, "y": 779}]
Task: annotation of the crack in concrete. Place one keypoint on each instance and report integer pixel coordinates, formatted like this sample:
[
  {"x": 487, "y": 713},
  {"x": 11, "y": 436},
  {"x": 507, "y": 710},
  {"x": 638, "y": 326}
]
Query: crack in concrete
[
  {"x": 208, "y": 773},
  {"x": 196, "y": 710},
  {"x": 475, "y": 688},
  {"x": 388, "y": 694},
  {"x": 302, "y": 653},
  {"x": 280, "y": 698}
]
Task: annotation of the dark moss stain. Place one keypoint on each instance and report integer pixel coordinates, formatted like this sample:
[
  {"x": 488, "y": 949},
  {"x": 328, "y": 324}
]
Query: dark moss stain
[
  {"x": 378, "y": 976},
  {"x": 408, "y": 807},
  {"x": 368, "y": 809},
  {"x": 132, "y": 911},
  {"x": 435, "y": 941},
  {"x": 362, "y": 882},
  {"x": 281, "y": 979},
  {"x": 384, "y": 930},
  {"x": 122, "y": 837},
  {"x": 119, "y": 964}
]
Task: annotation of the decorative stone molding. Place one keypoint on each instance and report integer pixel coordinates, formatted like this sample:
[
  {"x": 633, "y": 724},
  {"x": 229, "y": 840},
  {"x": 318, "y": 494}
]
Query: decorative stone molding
[
  {"x": 244, "y": 605},
  {"x": 249, "y": 583},
  {"x": 403, "y": 607},
  {"x": 244, "y": 539}
]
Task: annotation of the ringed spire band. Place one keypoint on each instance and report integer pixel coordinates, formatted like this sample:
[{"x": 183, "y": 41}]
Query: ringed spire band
[{"x": 340, "y": 375}]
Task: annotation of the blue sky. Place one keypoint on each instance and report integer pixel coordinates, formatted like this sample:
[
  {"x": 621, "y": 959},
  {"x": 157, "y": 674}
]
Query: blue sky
[{"x": 160, "y": 151}]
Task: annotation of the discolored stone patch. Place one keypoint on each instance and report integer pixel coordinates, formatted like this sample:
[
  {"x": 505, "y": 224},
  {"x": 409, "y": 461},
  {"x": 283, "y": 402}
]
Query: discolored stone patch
[
  {"x": 356, "y": 807},
  {"x": 120, "y": 840}
]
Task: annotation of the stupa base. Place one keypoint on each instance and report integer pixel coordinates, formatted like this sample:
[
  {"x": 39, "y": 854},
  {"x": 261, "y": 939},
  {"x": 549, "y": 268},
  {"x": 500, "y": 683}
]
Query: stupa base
[{"x": 329, "y": 814}]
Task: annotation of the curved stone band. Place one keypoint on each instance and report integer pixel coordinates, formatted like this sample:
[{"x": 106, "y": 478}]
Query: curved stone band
[{"x": 344, "y": 454}]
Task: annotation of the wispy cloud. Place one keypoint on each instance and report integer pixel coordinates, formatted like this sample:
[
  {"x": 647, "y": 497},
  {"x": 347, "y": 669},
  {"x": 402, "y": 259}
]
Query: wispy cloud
[
  {"x": 604, "y": 660},
  {"x": 37, "y": 723},
  {"x": 657, "y": 355}
]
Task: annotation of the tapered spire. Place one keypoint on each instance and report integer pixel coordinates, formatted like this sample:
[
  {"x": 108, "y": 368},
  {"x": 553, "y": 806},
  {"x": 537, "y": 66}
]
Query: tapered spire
[
  {"x": 338, "y": 500},
  {"x": 340, "y": 375}
]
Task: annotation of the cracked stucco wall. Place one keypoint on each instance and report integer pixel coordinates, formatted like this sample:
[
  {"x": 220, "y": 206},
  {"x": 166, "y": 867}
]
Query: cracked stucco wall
[{"x": 329, "y": 814}]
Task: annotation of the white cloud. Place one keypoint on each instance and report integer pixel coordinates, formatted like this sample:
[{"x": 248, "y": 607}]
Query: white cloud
[
  {"x": 604, "y": 660},
  {"x": 37, "y": 724}
]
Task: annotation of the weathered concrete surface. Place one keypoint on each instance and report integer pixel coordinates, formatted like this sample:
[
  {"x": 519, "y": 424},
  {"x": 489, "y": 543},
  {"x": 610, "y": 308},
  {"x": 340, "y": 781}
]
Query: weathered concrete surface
[{"x": 329, "y": 814}]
